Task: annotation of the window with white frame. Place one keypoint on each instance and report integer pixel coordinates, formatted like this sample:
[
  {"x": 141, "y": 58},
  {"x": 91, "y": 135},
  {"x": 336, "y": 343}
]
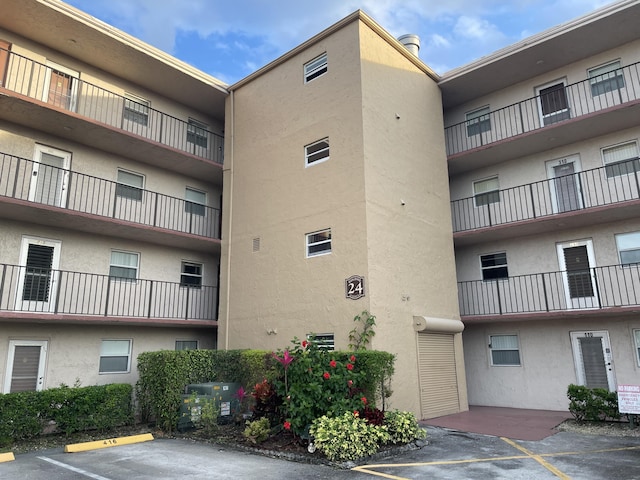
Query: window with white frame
[
  {"x": 505, "y": 350},
  {"x": 621, "y": 159},
  {"x": 478, "y": 121},
  {"x": 319, "y": 243},
  {"x": 606, "y": 78},
  {"x": 636, "y": 336},
  {"x": 115, "y": 356},
  {"x": 195, "y": 201},
  {"x": 316, "y": 152},
  {"x": 130, "y": 185},
  {"x": 186, "y": 344},
  {"x": 315, "y": 68},
  {"x": 486, "y": 191},
  {"x": 124, "y": 265},
  {"x": 197, "y": 133},
  {"x": 494, "y": 265},
  {"x": 628, "y": 247},
  {"x": 136, "y": 109},
  {"x": 324, "y": 341},
  {"x": 191, "y": 275}
]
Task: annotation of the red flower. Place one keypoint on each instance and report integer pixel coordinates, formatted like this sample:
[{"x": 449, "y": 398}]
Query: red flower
[
  {"x": 356, "y": 413},
  {"x": 326, "y": 375},
  {"x": 287, "y": 425},
  {"x": 332, "y": 364},
  {"x": 349, "y": 382},
  {"x": 304, "y": 344},
  {"x": 364, "y": 400},
  {"x": 349, "y": 366},
  {"x": 353, "y": 358}
]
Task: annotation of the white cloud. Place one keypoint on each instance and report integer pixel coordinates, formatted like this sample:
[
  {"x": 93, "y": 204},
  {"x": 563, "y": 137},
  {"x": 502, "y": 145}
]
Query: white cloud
[
  {"x": 477, "y": 29},
  {"x": 438, "y": 41}
]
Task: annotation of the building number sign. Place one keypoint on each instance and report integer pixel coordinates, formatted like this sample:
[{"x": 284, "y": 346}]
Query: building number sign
[{"x": 354, "y": 287}]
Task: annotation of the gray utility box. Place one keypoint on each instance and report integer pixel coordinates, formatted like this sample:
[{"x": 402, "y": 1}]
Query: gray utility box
[{"x": 222, "y": 394}]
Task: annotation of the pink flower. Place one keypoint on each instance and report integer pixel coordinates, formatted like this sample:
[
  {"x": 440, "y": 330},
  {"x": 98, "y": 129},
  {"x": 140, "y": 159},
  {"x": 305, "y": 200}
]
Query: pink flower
[
  {"x": 287, "y": 425},
  {"x": 349, "y": 366},
  {"x": 349, "y": 382},
  {"x": 240, "y": 394},
  {"x": 326, "y": 375},
  {"x": 353, "y": 359},
  {"x": 332, "y": 364},
  {"x": 285, "y": 360}
]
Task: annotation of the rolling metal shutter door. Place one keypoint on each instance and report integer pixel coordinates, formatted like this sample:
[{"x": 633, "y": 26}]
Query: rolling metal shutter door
[{"x": 438, "y": 378}]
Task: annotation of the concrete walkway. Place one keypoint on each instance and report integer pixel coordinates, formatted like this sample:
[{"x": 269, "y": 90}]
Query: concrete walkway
[{"x": 514, "y": 423}]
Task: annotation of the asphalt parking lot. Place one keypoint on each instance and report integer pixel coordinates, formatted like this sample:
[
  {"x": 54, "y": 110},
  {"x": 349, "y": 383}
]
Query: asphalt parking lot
[{"x": 449, "y": 455}]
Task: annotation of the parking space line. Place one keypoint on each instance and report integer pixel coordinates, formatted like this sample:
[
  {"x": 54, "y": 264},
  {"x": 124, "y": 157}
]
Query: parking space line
[
  {"x": 74, "y": 469},
  {"x": 538, "y": 459}
]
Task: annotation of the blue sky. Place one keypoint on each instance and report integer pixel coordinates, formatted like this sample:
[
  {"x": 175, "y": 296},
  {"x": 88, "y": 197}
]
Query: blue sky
[{"x": 231, "y": 39}]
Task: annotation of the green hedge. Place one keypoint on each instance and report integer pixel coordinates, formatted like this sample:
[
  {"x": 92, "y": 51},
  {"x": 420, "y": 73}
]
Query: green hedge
[
  {"x": 64, "y": 409},
  {"x": 592, "y": 404}
]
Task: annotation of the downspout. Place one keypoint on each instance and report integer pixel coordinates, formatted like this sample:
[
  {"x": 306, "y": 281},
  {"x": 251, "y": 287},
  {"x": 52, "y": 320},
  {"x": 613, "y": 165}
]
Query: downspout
[{"x": 230, "y": 219}]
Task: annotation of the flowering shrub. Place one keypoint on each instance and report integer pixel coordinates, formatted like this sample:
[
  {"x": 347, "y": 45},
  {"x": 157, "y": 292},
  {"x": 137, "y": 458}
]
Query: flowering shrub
[
  {"x": 347, "y": 437},
  {"x": 403, "y": 427},
  {"x": 314, "y": 383}
]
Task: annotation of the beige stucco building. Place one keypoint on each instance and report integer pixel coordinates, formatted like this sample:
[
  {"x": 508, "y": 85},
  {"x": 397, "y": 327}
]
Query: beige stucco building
[{"x": 487, "y": 217}]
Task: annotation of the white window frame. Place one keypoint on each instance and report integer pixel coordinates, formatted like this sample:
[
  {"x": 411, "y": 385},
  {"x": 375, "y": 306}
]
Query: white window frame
[
  {"x": 628, "y": 242},
  {"x": 605, "y": 75},
  {"x": 103, "y": 355},
  {"x": 478, "y": 121},
  {"x": 621, "y": 166},
  {"x": 116, "y": 265},
  {"x": 186, "y": 341},
  {"x": 125, "y": 188},
  {"x": 184, "y": 274},
  {"x": 198, "y": 133},
  {"x": 311, "y": 243},
  {"x": 316, "y": 152},
  {"x": 315, "y": 68},
  {"x": 136, "y": 109},
  {"x": 324, "y": 341},
  {"x": 491, "y": 196},
  {"x": 558, "y": 115},
  {"x": 494, "y": 267},
  {"x": 193, "y": 206},
  {"x": 492, "y": 349}
]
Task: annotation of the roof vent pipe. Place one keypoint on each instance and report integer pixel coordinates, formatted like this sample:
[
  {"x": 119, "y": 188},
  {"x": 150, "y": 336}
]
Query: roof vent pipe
[{"x": 411, "y": 42}]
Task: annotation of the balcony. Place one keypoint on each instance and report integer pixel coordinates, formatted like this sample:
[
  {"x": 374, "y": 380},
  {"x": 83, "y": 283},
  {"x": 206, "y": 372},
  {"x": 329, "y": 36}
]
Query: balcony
[
  {"x": 58, "y": 102},
  {"x": 608, "y": 193},
  {"x": 597, "y": 290},
  {"x": 29, "y": 292},
  {"x": 582, "y": 110},
  {"x": 47, "y": 194}
]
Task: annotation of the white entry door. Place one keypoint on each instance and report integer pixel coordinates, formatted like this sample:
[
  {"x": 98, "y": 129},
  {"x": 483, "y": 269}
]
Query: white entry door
[
  {"x": 25, "y": 366},
  {"x": 564, "y": 185},
  {"x": 50, "y": 176},
  {"x": 577, "y": 267},
  {"x": 594, "y": 359},
  {"x": 38, "y": 280}
]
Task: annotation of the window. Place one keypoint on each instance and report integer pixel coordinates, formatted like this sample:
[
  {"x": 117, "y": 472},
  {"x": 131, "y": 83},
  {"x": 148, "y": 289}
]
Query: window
[
  {"x": 191, "y": 275},
  {"x": 486, "y": 191},
  {"x": 315, "y": 68},
  {"x": 621, "y": 159},
  {"x": 504, "y": 350},
  {"x": 478, "y": 121},
  {"x": 316, "y": 152},
  {"x": 319, "y": 243},
  {"x": 553, "y": 103},
  {"x": 197, "y": 133},
  {"x": 115, "y": 356},
  {"x": 636, "y": 336},
  {"x": 324, "y": 341},
  {"x": 494, "y": 266},
  {"x": 186, "y": 344},
  {"x": 606, "y": 78},
  {"x": 628, "y": 247},
  {"x": 129, "y": 185},
  {"x": 195, "y": 201},
  {"x": 136, "y": 109},
  {"x": 124, "y": 265}
]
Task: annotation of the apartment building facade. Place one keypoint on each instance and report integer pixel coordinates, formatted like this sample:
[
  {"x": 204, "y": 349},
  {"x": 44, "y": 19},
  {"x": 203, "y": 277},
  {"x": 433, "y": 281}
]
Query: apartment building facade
[
  {"x": 542, "y": 146},
  {"x": 110, "y": 191}
]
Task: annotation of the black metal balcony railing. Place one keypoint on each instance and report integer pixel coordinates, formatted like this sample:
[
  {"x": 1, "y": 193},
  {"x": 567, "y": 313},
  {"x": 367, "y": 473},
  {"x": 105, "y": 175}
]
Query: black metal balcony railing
[
  {"x": 598, "y": 187},
  {"x": 46, "y": 184},
  {"x": 37, "y": 290},
  {"x": 552, "y": 106},
  {"x": 64, "y": 90},
  {"x": 594, "y": 288}
]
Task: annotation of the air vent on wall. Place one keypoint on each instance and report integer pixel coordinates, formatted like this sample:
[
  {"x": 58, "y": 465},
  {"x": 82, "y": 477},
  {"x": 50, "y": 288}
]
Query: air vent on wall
[{"x": 256, "y": 244}]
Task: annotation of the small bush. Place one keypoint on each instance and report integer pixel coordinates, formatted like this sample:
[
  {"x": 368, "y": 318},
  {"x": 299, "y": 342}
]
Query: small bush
[
  {"x": 403, "y": 427},
  {"x": 374, "y": 416},
  {"x": 347, "y": 437},
  {"x": 257, "y": 431},
  {"x": 592, "y": 404}
]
